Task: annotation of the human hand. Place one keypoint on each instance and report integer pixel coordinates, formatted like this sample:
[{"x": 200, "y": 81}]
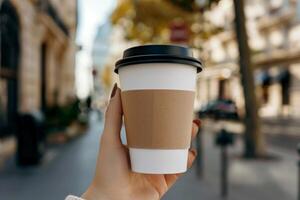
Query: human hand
[{"x": 114, "y": 179}]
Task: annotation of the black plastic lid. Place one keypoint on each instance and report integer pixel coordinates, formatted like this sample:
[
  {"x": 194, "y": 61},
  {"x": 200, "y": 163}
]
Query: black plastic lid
[{"x": 158, "y": 54}]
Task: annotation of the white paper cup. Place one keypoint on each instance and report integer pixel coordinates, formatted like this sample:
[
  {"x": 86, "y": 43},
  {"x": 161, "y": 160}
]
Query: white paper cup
[{"x": 158, "y": 76}]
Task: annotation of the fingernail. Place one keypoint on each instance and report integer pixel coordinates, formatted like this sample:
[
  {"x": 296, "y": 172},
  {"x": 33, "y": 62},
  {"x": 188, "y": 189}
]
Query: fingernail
[
  {"x": 197, "y": 122},
  {"x": 113, "y": 92},
  {"x": 194, "y": 152}
]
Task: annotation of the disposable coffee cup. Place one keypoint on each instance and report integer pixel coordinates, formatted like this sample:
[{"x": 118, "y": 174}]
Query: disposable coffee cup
[{"x": 158, "y": 89}]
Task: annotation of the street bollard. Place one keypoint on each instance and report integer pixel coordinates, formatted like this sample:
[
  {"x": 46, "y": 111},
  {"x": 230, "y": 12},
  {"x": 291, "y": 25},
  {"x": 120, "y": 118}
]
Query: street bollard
[
  {"x": 224, "y": 171},
  {"x": 200, "y": 157},
  {"x": 298, "y": 149},
  {"x": 224, "y": 139}
]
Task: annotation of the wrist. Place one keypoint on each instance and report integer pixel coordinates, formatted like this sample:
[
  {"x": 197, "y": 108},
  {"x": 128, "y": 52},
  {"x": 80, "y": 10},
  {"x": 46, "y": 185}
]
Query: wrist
[
  {"x": 92, "y": 193},
  {"x": 95, "y": 192}
]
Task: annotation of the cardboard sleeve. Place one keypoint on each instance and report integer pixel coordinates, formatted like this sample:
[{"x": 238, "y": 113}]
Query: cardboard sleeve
[{"x": 158, "y": 119}]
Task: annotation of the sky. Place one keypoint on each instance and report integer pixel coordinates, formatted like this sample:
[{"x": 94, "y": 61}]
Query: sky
[{"x": 92, "y": 13}]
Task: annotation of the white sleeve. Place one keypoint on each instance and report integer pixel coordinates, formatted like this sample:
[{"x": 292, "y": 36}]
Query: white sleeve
[{"x": 71, "y": 197}]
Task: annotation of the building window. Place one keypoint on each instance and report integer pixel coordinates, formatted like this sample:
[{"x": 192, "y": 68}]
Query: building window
[{"x": 9, "y": 62}]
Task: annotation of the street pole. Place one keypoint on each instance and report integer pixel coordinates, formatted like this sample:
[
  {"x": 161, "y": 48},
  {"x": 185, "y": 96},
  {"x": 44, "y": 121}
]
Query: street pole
[
  {"x": 223, "y": 140},
  {"x": 254, "y": 141},
  {"x": 200, "y": 157},
  {"x": 298, "y": 150},
  {"x": 224, "y": 172}
]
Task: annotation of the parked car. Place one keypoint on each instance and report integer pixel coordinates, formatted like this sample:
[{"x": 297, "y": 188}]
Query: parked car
[{"x": 219, "y": 109}]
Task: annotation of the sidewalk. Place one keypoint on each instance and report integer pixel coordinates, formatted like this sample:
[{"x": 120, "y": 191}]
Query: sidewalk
[
  {"x": 249, "y": 179},
  {"x": 66, "y": 169},
  {"x": 69, "y": 169},
  {"x": 281, "y": 132}
]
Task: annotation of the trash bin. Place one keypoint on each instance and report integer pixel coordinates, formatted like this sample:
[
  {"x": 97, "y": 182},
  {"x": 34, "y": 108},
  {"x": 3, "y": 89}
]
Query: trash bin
[{"x": 30, "y": 139}]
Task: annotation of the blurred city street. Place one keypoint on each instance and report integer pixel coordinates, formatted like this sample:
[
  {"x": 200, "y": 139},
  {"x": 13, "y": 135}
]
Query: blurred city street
[
  {"x": 57, "y": 71},
  {"x": 273, "y": 178}
]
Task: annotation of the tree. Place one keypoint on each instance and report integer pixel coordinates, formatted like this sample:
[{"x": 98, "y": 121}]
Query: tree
[
  {"x": 254, "y": 141},
  {"x": 148, "y": 21}
]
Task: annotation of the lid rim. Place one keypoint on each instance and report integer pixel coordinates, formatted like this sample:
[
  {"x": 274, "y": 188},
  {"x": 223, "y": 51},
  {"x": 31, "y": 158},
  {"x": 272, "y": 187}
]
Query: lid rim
[{"x": 187, "y": 62}]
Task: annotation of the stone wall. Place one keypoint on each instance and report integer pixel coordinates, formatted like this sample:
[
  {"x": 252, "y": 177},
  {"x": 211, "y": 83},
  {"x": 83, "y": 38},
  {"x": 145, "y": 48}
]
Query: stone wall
[{"x": 37, "y": 28}]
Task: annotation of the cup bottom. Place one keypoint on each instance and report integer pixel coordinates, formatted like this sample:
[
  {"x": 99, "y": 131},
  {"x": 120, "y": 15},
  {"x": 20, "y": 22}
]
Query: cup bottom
[{"x": 158, "y": 161}]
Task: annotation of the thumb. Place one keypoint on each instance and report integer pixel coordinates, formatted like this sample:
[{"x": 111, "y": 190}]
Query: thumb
[{"x": 113, "y": 118}]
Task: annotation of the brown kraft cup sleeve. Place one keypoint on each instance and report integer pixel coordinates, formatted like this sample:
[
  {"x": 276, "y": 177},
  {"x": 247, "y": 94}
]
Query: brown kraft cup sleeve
[{"x": 158, "y": 119}]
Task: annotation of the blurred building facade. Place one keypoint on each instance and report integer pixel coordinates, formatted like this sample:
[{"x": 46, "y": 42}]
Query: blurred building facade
[
  {"x": 37, "y": 56},
  {"x": 108, "y": 47},
  {"x": 273, "y": 29}
]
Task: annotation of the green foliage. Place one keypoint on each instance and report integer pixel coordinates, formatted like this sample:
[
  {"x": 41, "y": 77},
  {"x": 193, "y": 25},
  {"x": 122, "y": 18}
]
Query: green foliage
[{"x": 59, "y": 117}]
